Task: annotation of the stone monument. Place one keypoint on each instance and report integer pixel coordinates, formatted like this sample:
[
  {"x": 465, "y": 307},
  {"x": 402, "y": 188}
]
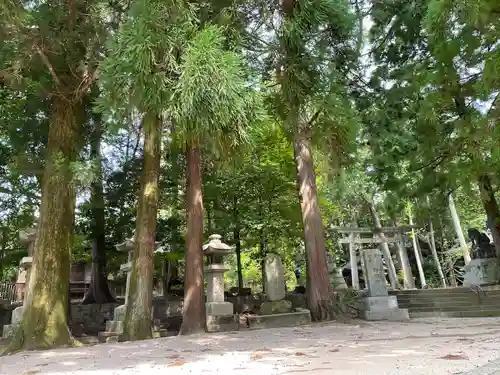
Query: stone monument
[
  {"x": 274, "y": 280},
  {"x": 26, "y": 237},
  {"x": 219, "y": 313},
  {"x": 378, "y": 305},
  {"x": 335, "y": 273}
]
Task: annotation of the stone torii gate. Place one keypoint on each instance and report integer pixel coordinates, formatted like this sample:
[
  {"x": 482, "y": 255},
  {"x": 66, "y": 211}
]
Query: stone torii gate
[{"x": 378, "y": 237}]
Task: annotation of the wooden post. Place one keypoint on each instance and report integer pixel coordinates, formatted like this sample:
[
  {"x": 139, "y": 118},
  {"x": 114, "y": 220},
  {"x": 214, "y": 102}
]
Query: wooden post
[
  {"x": 417, "y": 253},
  {"x": 354, "y": 262},
  {"x": 458, "y": 229}
]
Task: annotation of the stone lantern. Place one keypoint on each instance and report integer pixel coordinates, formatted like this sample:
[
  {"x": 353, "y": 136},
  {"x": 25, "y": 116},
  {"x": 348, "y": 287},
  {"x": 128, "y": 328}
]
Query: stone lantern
[{"x": 219, "y": 313}]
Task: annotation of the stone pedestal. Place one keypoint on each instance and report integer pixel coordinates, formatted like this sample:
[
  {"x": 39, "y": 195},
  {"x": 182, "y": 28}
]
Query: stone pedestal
[
  {"x": 481, "y": 271},
  {"x": 220, "y": 315},
  {"x": 379, "y": 305}
]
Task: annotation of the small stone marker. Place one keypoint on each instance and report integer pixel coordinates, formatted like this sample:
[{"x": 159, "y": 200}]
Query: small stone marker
[
  {"x": 274, "y": 277},
  {"x": 375, "y": 275}
]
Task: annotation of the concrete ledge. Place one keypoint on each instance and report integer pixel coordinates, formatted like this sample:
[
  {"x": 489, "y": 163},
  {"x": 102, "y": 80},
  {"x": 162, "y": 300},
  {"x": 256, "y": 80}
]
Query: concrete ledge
[{"x": 292, "y": 319}]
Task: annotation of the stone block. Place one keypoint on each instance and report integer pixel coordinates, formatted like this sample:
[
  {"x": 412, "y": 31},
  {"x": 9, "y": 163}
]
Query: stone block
[
  {"x": 119, "y": 313},
  {"x": 219, "y": 308},
  {"x": 9, "y": 330},
  {"x": 17, "y": 315},
  {"x": 274, "y": 277},
  {"x": 292, "y": 319},
  {"x": 275, "y": 307},
  {"x": 225, "y": 323},
  {"x": 115, "y": 326}
]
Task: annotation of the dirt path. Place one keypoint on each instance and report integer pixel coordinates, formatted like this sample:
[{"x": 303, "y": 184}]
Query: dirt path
[{"x": 422, "y": 347}]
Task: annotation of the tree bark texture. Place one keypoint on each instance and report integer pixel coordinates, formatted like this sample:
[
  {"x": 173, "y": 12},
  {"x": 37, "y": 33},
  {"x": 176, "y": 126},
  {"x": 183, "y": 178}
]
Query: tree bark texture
[
  {"x": 318, "y": 289},
  {"x": 193, "y": 313},
  {"x": 491, "y": 208},
  {"x": 386, "y": 252},
  {"x": 44, "y": 321},
  {"x": 98, "y": 291},
  {"x": 138, "y": 322}
]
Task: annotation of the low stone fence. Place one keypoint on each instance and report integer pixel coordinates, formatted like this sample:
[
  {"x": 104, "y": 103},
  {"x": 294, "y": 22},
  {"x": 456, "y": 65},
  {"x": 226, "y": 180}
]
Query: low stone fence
[{"x": 90, "y": 319}]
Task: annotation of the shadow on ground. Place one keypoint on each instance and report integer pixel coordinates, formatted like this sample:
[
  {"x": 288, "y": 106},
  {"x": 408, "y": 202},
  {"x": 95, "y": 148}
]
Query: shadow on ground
[{"x": 423, "y": 348}]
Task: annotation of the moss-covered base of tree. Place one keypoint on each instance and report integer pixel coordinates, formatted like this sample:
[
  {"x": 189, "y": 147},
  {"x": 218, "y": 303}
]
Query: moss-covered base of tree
[
  {"x": 139, "y": 332},
  {"x": 31, "y": 338},
  {"x": 329, "y": 309}
]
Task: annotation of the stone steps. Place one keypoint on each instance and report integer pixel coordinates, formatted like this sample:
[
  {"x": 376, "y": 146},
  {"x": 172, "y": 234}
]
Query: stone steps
[{"x": 450, "y": 302}]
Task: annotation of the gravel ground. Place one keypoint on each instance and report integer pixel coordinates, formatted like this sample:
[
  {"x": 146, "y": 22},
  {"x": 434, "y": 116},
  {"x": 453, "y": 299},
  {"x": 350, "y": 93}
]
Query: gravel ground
[{"x": 421, "y": 347}]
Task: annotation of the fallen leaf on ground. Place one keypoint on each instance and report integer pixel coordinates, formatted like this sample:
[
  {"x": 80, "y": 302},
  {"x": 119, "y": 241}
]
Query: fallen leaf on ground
[
  {"x": 256, "y": 356},
  {"x": 177, "y": 363},
  {"x": 173, "y": 356},
  {"x": 300, "y": 354},
  {"x": 334, "y": 350},
  {"x": 455, "y": 357},
  {"x": 264, "y": 350}
]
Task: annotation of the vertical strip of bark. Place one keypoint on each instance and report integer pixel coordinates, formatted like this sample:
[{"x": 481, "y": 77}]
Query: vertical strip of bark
[
  {"x": 98, "y": 291},
  {"x": 491, "y": 208},
  {"x": 138, "y": 323},
  {"x": 44, "y": 321},
  {"x": 193, "y": 313},
  {"x": 318, "y": 289},
  {"x": 458, "y": 228}
]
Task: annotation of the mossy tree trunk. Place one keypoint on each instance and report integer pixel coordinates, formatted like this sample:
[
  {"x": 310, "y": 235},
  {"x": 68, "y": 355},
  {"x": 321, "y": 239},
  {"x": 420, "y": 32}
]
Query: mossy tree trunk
[
  {"x": 138, "y": 322},
  {"x": 44, "y": 323},
  {"x": 98, "y": 291},
  {"x": 193, "y": 312},
  {"x": 318, "y": 289}
]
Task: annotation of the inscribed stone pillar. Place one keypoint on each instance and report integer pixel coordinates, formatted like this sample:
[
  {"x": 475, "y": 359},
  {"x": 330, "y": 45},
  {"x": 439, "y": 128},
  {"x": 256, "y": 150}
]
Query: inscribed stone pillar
[{"x": 274, "y": 277}]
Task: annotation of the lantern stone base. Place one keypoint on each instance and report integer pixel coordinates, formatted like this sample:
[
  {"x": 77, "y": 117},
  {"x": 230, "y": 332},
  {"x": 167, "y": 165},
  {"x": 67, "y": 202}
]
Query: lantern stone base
[
  {"x": 220, "y": 317},
  {"x": 383, "y": 308},
  {"x": 219, "y": 308},
  {"x": 222, "y": 323}
]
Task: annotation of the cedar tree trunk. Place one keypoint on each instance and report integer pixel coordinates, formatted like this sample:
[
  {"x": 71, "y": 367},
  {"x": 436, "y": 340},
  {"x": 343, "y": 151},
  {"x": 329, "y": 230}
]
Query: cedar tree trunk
[
  {"x": 491, "y": 208},
  {"x": 138, "y": 323},
  {"x": 98, "y": 291},
  {"x": 193, "y": 313},
  {"x": 44, "y": 323},
  {"x": 318, "y": 289}
]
